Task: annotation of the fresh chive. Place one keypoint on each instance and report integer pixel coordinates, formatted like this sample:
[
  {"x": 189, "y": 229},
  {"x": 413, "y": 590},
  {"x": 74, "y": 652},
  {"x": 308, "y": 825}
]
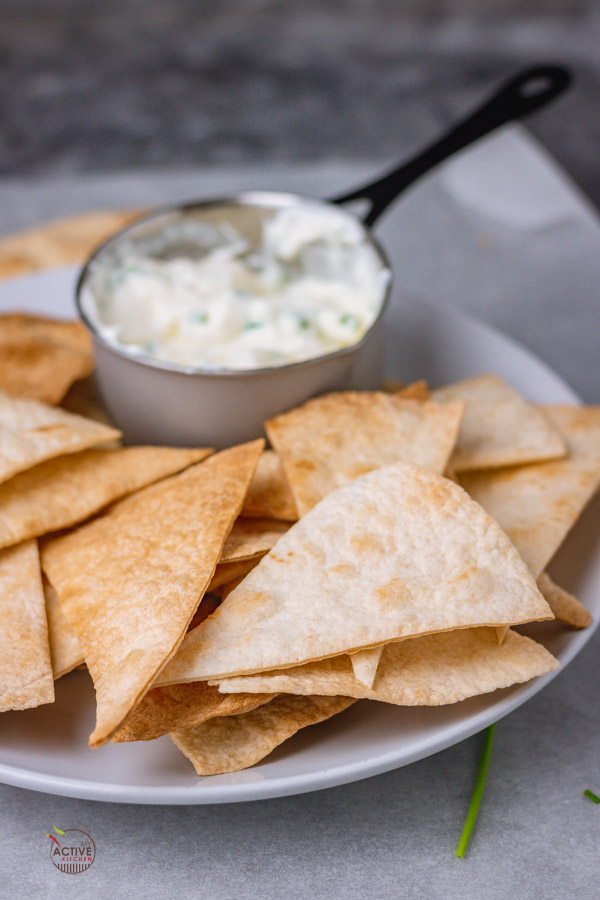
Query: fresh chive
[
  {"x": 250, "y": 325},
  {"x": 200, "y": 317},
  {"x": 349, "y": 319},
  {"x": 304, "y": 323},
  {"x": 591, "y": 796},
  {"x": 477, "y": 793}
]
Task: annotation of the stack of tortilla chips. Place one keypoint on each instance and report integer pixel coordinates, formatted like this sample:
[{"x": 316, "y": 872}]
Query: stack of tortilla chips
[{"x": 383, "y": 549}]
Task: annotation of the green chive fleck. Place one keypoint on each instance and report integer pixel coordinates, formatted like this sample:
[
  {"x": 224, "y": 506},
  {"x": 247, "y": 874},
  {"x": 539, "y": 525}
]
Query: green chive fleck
[
  {"x": 348, "y": 319},
  {"x": 200, "y": 318},
  {"x": 477, "y": 793},
  {"x": 250, "y": 325},
  {"x": 304, "y": 323},
  {"x": 591, "y": 796}
]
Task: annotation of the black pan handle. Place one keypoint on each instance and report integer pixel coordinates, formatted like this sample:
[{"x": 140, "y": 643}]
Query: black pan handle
[{"x": 524, "y": 93}]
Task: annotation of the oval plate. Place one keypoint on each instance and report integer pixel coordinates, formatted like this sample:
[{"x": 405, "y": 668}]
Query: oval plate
[{"x": 45, "y": 749}]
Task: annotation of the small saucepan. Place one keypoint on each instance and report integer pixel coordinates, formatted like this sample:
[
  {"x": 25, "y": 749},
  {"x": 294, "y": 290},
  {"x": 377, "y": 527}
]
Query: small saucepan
[{"x": 154, "y": 401}]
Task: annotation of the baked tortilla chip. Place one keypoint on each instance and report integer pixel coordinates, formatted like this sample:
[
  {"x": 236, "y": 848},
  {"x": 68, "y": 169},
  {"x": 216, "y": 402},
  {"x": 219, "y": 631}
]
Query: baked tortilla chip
[
  {"x": 232, "y": 743},
  {"x": 364, "y": 665},
  {"x": 565, "y": 606},
  {"x": 396, "y": 553},
  {"x": 181, "y": 706},
  {"x": 25, "y": 668},
  {"x": 500, "y": 427},
  {"x": 66, "y": 490},
  {"x": 333, "y": 439},
  {"x": 130, "y": 581},
  {"x": 418, "y": 390},
  {"x": 427, "y": 671},
  {"x": 251, "y": 538},
  {"x": 40, "y": 358},
  {"x": 31, "y": 432},
  {"x": 65, "y": 651},
  {"x": 269, "y": 495},
  {"x": 536, "y": 505}
]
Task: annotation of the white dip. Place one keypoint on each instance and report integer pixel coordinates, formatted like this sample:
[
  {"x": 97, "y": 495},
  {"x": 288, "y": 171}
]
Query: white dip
[{"x": 313, "y": 286}]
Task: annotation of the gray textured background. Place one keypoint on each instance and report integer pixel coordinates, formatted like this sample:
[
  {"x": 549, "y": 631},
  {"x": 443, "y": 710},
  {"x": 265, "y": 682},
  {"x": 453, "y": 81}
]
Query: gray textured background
[{"x": 89, "y": 90}]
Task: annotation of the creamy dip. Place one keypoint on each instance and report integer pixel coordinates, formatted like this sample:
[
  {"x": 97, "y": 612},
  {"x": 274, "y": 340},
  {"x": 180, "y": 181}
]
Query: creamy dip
[{"x": 313, "y": 285}]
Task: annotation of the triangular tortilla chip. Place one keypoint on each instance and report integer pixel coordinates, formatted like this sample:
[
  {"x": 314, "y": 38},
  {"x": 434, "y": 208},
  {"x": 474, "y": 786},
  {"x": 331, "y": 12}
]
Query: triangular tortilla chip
[
  {"x": 130, "y": 581},
  {"x": 40, "y": 358},
  {"x": 417, "y": 390},
  {"x": 499, "y": 428},
  {"x": 364, "y": 665},
  {"x": 232, "y": 743},
  {"x": 565, "y": 606},
  {"x": 31, "y": 432},
  {"x": 536, "y": 505},
  {"x": 427, "y": 671},
  {"x": 65, "y": 651},
  {"x": 394, "y": 554},
  {"x": 333, "y": 439},
  {"x": 181, "y": 706},
  {"x": 269, "y": 495},
  {"x": 25, "y": 668},
  {"x": 66, "y": 490},
  {"x": 250, "y": 538}
]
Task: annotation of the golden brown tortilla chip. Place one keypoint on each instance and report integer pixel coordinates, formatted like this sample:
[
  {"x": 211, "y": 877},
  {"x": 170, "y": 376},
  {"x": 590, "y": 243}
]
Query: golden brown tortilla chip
[
  {"x": 418, "y": 390},
  {"x": 396, "y": 553},
  {"x": 83, "y": 399},
  {"x": 232, "y": 743},
  {"x": 65, "y": 652},
  {"x": 565, "y": 606},
  {"x": 499, "y": 428},
  {"x": 333, "y": 439},
  {"x": 31, "y": 432},
  {"x": 537, "y": 504},
  {"x": 25, "y": 668},
  {"x": 269, "y": 495},
  {"x": 40, "y": 358},
  {"x": 181, "y": 706},
  {"x": 427, "y": 671},
  {"x": 66, "y": 490},
  {"x": 250, "y": 538},
  {"x": 130, "y": 581},
  {"x": 364, "y": 665},
  {"x": 61, "y": 242},
  {"x": 225, "y": 573}
]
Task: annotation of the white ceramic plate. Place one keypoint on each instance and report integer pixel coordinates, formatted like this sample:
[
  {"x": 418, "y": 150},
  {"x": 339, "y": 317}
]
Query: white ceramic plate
[{"x": 46, "y": 748}]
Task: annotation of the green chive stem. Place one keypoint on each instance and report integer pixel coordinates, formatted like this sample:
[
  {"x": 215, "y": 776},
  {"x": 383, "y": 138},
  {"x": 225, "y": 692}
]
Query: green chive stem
[
  {"x": 477, "y": 793},
  {"x": 591, "y": 796}
]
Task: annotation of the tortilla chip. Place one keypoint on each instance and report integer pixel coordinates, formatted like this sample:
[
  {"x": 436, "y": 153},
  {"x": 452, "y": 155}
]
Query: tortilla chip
[
  {"x": 499, "y": 428},
  {"x": 83, "y": 399},
  {"x": 418, "y": 390},
  {"x": 181, "y": 706},
  {"x": 565, "y": 606},
  {"x": 25, "y": 669},
  {"x": 130, "y": 581},
  {"x": 333, "y": 439},
  {"x": 232, "y": 743},
  {"x": 396, "y": 553},
  {"x": 226, "y": 573},
  {"x": 269, "y": 495},
  {"x": 251, "y": 538},
  {"x": 427, "y": 671},
  {"x": 31, "y": 432},
  {"x": 68, "y": 489},
  {"x": 364, "y": 665},
  {"x": 62, "y": 242},
  {"x": 536, "y": 505},
  {"x": 65, "y": 651},
  {"x": 40, "y": 358}
]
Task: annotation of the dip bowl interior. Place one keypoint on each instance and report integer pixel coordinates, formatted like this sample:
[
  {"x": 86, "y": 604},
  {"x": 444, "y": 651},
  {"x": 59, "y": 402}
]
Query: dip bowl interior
[{"x": 162, "y": 402}]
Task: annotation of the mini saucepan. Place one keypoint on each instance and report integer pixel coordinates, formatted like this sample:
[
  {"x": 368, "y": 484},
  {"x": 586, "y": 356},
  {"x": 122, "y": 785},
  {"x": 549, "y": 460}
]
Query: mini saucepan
[{"x": 153, "y": 401}]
